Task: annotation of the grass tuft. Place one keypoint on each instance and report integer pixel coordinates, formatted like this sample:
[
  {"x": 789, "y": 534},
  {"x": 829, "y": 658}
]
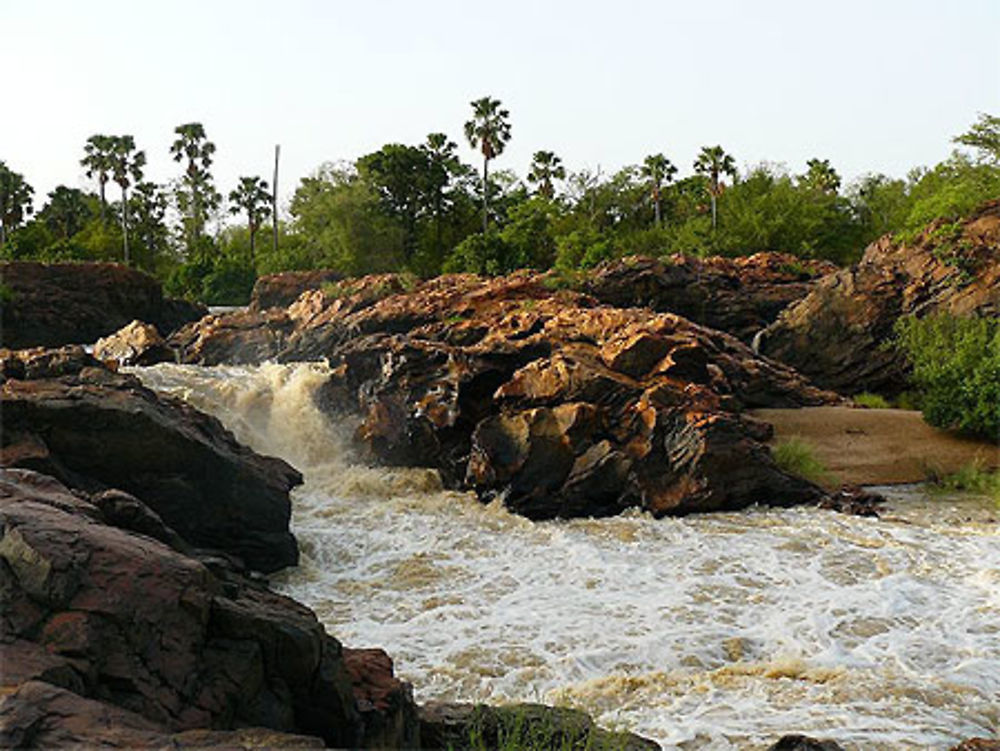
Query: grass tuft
[
  {"x": 871, "y": 401},
  {"x": 796, "y": 457}
]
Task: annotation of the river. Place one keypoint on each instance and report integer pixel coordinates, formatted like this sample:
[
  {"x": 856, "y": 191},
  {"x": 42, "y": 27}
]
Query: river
[{"x": 716, "y": 631}]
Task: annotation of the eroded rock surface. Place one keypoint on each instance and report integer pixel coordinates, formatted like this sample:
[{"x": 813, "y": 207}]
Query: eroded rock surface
[
  {"x": 77, "y": 303},
  {"x": 837, "y": 334},
  {"x": 282, "y": 289},
  {"x": 113, "y": 637},
  {"x": 136, "y": 344},
  {"x": 67, "y": 415}
]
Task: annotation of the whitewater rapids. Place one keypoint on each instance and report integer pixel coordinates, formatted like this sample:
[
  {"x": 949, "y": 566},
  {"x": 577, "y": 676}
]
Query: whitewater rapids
[{"x": 717, "y": 631}]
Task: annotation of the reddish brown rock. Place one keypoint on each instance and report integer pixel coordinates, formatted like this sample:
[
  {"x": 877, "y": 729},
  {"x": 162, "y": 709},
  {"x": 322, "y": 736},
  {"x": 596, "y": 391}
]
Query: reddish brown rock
[
  {"x": 737, "y": 295},
  {"x": 110, "y": 636},
  {"x": 838, "y": 333},
  {"x": 978, "y": 744},
  {"x": 68, "y": 416},
  {"x": 77, "y": 303},
  {"x": 136, "y": 344},
  {"x": 281, "y": 290}
]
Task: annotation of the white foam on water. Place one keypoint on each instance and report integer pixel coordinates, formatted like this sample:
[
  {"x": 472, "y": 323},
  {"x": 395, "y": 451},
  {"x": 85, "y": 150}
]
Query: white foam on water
[{"x": 711, "y": 631}]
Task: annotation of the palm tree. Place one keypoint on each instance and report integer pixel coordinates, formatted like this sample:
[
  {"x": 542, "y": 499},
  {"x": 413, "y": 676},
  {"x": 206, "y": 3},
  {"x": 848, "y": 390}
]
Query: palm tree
[
  {"x": 441, "y": 165},
  {"x": 99, "y": 161},
  {"x": 546, "y": 167},
  {"x": 67, "y": 211},
  {"x": 15, "y": 201},
  {"x": 199, "y": 194},
  {"x": 251, "y": 197},
  {"x": 127, "y": 164},
  {"x": 659, "y": 170},
  {"x": 713, "y": 162},
  {"x": 820, "y": 176},
  {"x": 489, "y": 131}
]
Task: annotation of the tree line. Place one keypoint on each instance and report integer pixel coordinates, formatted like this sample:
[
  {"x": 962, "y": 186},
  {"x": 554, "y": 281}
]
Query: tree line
[{"x": 421, "y": 208}]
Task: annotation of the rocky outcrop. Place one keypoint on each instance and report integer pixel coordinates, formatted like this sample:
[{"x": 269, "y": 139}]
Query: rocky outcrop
[
  {"x": 978, "y": 744},
  {"x": 557, "y": 404},
  {"x": 837, "y": 334},
  {"x": 136, "y": 344},
  {"x": 68, "y": 416},
  {"x": 281, "y": 290},
  {"x": 113, "y": 637},
  {"x": 804, "y": 743},
  {"x": 462, "y": 727},
  {"x": 737, "y": 295},
  {"x": 49, "y": 305}
]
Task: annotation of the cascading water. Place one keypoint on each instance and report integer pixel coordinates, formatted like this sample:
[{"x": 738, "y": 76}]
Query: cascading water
[{"x": 718, "y": 631}]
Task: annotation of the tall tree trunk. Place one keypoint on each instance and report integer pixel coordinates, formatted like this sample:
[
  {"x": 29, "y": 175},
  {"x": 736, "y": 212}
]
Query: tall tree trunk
[
  {"x": 125, "y": 224},
  {"x": 656, "y": 204},
  {"x": 100, "y": 182},
  {"x": 274, "y": 201},
  {"x": 3, "y": 233},
  {"x": 253, "y": 234},
  {"x": 713, "y": 212},
  {"x": 486, "y": 188}
]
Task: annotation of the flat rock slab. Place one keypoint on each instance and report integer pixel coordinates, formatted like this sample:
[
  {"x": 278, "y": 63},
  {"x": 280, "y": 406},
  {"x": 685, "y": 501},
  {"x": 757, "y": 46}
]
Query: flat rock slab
[{"x": 877, "y": 446}]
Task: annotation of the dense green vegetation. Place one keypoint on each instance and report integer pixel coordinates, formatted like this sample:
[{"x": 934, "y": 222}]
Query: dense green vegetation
[
  {"x": 956, "y": 367},
  {"x": 421, "y": 209}
]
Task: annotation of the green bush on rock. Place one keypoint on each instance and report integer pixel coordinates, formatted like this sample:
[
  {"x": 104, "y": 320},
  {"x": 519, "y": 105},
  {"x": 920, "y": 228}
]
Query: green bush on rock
[{"x": 956, "y": 367}]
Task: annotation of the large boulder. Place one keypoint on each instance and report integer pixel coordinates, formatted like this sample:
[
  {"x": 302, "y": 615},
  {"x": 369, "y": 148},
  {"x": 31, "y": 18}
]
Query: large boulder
[
  {"x": 112, "y": 637},
  {"x": 136, "y": 344},
  {"x": 838, "y": 333},
  {"x": 48, "y": 305},
  {"x": 67, "y": 415},
  {"x": 737, "y": 295},
  {"x": 282, "y": 289}
]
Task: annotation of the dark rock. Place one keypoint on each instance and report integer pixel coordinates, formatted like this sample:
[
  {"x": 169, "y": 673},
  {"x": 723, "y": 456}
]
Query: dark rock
[
  {"x": 136, "y": 344},
  {"x": 737, "y": 295},
  {"x": 94, "y": 429},
  {"x": 804, "y": 743},
  {"x": 837, "y": 334},
  {"x": 474, "y": 726},
  {"x": 281, "y": 290},
  {"x": 110, "y": 637},
  {"x": 978, "y": 744},
  {"x": 855, "y": 501},
  {"x": 55, "y": 304}
]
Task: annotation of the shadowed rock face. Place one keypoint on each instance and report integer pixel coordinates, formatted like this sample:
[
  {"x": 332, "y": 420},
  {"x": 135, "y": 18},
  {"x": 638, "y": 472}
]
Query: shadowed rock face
[
  {"x": 70, "y": 417},
  {"x": 77, "y": 303},
  {"x": 838, "y": 332},
  {"x": 737, "y": 295},
  {"x": 560, "y": 405},
  {"x": 112, "y": 636},
  {"x": 281, "y": 290}
]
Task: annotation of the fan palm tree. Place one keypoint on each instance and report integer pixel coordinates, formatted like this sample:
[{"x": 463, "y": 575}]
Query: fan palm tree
[
  {"x": 489, "y": 131},
  {"x": 15, "y": 201},
  {"x": 546, "y": 167},
  {"x": 198, "y": 195},
  {"x": 251, "y": 197},
  {"x": 659, "y": 171},
  {"x": 99, "y": 161},
  {"x": 713, "y": 162},
  {"x": 821, "y": 176},
  {"x": 126, "y": 168}
]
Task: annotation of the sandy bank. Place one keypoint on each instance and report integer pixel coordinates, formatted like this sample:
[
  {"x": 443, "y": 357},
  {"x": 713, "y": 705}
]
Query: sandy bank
[{"x": 877, "y": 446}]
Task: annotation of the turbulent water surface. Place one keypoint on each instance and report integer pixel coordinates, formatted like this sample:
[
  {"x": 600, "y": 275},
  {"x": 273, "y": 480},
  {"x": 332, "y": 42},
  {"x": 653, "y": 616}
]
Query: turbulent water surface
[{"x": 715, "y": 631}]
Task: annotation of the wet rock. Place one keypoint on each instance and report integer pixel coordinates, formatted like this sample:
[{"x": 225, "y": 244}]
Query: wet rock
[
  {"x": 837, "y": 334},
  {"x": 66, "y": 415},
  {"x": 472, "y": 726},
  {"x": 281, "y": 290},
  {"x": 136, "y": 344},
  {"x": 804, "y": 743},
  {"x": 855, "y": 501},
  {"x": 978, "y": 744},
  {"x": 237, "y": 338},
  {"x": 112, "y": 637},
  {"x": 77, "y": 303},
  {"x": 737, "y": 295}
]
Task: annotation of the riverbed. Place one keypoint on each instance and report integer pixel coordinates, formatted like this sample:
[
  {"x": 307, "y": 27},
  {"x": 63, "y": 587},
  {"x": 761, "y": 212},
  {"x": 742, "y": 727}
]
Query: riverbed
[{"x": 716, "y": 631}]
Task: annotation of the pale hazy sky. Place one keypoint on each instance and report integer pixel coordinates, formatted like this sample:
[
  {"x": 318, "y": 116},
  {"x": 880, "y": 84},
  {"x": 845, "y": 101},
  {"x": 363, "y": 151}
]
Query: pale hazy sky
[{"x": 876, "y": 85}]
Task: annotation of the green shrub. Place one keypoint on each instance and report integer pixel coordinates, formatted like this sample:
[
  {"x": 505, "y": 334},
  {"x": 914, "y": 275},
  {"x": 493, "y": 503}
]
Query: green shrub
[
  {"x": 973, "y": 478},
  {"x": 956, "y": 368},
  {"x": 796, "y": 457},
  {"x": 871, "y": 401}
]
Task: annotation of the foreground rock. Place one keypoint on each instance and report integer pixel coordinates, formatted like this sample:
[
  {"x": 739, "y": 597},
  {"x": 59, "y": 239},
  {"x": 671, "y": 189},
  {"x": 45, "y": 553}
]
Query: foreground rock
[
  {"x": 737, "y": 295},
  {"x": 559, "y": 405},
  {"x": 68, "y": 416},
  {"x": 50, "y": 305},
  {"x": 838, "y": 332},
  {"x": 475, "y": 726},
  {"x": 112, "y": 637},
  {"x": 136, "y": 344}
]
